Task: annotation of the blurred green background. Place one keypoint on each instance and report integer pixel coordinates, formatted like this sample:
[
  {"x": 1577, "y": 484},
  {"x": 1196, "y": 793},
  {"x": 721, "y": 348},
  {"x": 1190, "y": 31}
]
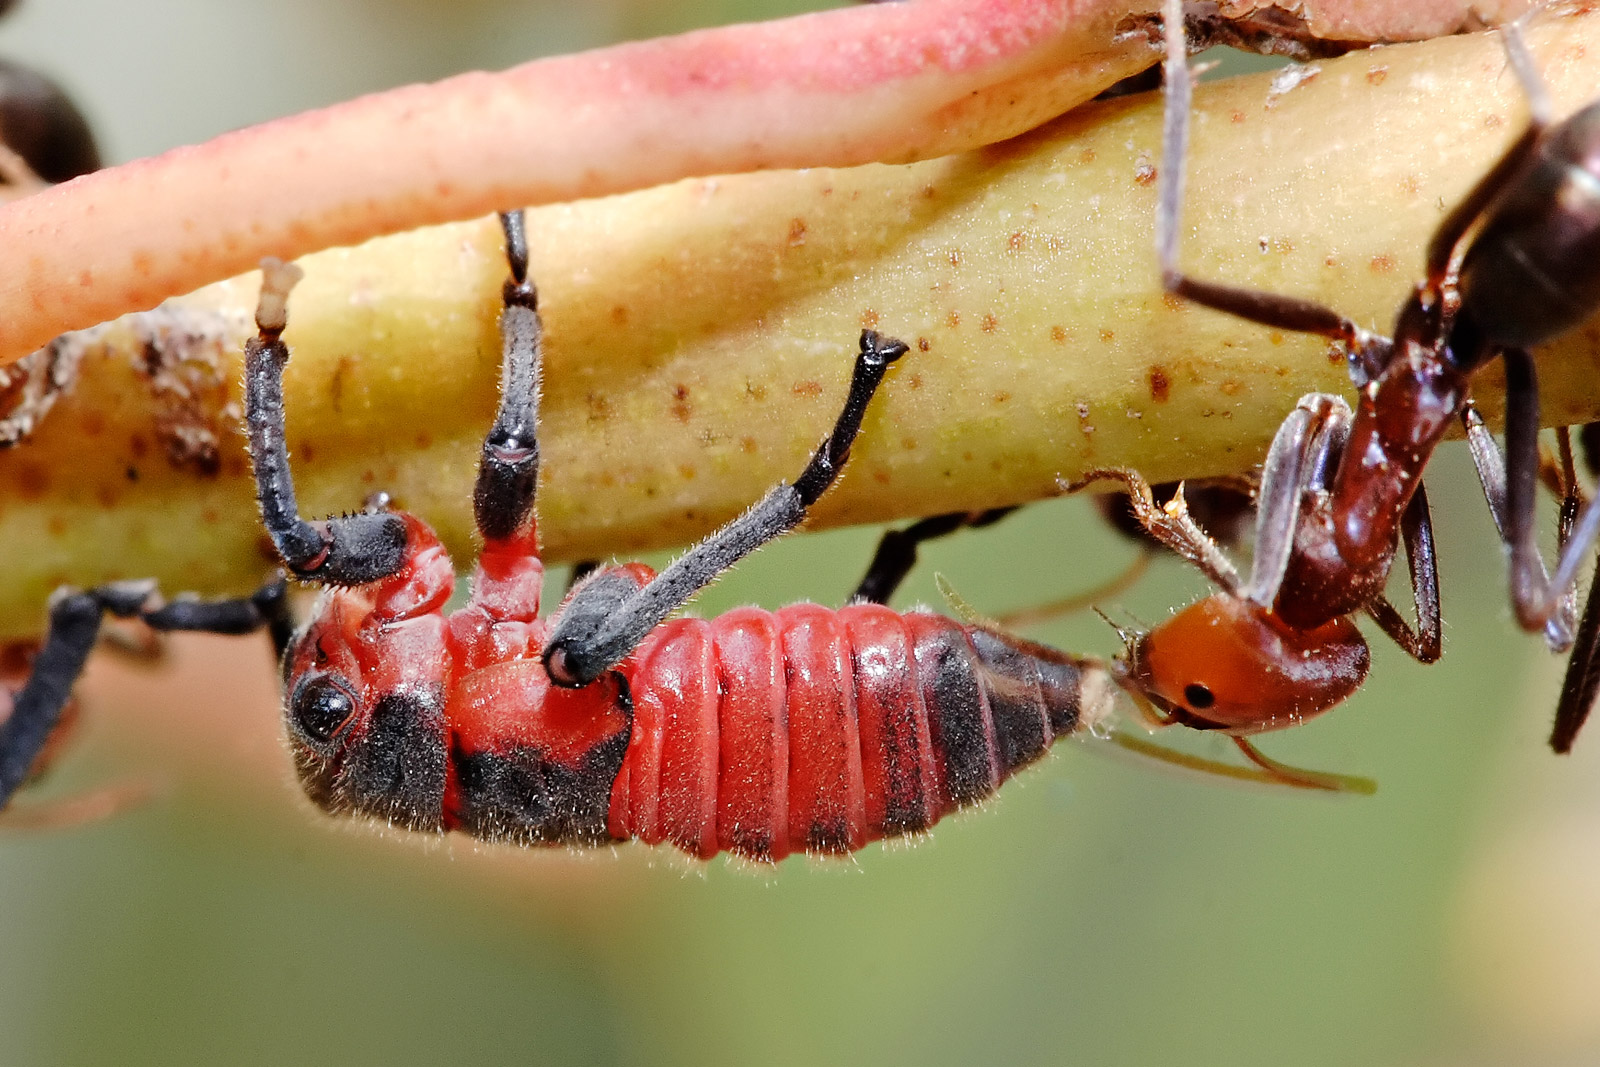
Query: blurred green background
[{"x": 1099, "y": 911}]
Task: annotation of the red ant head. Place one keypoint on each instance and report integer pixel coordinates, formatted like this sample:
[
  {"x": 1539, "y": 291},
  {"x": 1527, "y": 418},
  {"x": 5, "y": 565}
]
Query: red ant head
[{"x": 1225, "y": 663}]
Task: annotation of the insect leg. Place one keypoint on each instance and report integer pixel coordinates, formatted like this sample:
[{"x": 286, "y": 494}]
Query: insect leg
[
  {"x": 1301, "y": 450},
  {"x": 1511, "y": 485},
  {"x": 1426, "y": 642},
  {"x": 606, "y": 619},
  {"x": 1367, "y": 352},
  {"x": 1582, "y": 681},
  {"x": 897, "y": 551},
  {"x": 75, "y": 623},
  {"x": 1169, "y": 524},
  {"x": 349, "y": 550},
  {"x": 508, "y": 473}
]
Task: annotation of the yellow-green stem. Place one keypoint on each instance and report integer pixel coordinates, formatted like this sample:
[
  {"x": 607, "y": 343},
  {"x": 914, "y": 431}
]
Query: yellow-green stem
[{"x": 700, "y": 335}]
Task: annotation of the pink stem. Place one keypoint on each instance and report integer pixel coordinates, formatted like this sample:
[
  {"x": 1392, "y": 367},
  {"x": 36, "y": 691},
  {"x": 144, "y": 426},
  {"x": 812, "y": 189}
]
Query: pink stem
[{"x": 890, "y": 82}]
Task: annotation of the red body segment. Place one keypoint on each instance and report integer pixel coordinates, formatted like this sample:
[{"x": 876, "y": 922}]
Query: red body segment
[{"x": 758, "y": 733}]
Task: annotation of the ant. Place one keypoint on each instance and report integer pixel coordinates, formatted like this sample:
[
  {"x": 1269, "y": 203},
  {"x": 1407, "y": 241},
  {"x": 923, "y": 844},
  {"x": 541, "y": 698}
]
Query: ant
[{"x": 1340, "y": 489}]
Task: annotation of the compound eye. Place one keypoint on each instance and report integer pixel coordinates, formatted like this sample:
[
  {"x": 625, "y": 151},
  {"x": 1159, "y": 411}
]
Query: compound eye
[
  {"x": 322, "y": 707},
  {"x": 1198, "y": 697}
]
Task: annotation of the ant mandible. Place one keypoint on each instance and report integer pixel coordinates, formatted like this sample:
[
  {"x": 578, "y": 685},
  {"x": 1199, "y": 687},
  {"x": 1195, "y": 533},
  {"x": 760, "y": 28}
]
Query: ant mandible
[{"x": 1340, "y": 489}]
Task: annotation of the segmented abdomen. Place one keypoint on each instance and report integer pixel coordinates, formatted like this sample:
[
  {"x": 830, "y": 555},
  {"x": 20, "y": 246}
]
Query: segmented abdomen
[{"x": 809, "y": 729}]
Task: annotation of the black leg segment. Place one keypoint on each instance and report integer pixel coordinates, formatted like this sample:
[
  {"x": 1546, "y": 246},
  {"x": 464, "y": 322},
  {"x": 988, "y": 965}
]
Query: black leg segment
[
  {"x": 350, "y": 550},
  {"x": 603, "y": 622},
  {"x": 75, "y": 623},
  {"x": 508, "y": 473},
  {"x": 897, "y": 551}
]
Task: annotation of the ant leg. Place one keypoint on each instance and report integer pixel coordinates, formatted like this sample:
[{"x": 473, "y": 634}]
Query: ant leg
[
  {"x": 1367, "y": 353},
  {"x": 1170, "y": 524},
  {"x": 608, "y": 616},
  {"x": 1302, "y": 450},
  {"x": 1511, "y": 486},
  {"x": 350, "y": 550},
  {"x": 897, "y": 552},
  {"x": 1426, "y": 642},
  {"x": 75, "y": 623},
  {"x": 1442, "y": 246},
  {"x": 1582, "y": 681}
]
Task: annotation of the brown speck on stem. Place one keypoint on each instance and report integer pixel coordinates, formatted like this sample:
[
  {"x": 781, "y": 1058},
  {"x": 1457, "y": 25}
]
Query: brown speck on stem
[{"x": 1160, "y": 385}]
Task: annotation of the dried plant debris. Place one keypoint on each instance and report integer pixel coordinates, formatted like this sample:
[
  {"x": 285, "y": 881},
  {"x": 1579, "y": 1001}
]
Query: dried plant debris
[
  {"x": 186, "y": 357},
  {"x": 1270, "y": 30},
  {"x": 30, "y": 387}
]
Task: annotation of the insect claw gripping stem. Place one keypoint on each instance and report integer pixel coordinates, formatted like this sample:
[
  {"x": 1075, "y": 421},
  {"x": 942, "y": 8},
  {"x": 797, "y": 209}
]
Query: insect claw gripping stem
[
  {"x": 349, "y": 550},
  {"x": 604, "y": 622}
]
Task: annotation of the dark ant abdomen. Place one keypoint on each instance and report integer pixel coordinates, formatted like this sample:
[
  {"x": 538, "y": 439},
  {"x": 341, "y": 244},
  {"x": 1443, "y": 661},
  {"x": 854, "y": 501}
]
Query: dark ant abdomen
[{"x": 1533, "y": 271}]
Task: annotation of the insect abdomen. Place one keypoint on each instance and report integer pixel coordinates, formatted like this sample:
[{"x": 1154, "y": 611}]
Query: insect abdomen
[{"x": 807, "y": 729}]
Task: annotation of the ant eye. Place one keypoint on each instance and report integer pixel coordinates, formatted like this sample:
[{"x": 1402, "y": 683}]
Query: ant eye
[
  {"x": 1198, "y": 696},
  {"x": 322, "y": 708}
]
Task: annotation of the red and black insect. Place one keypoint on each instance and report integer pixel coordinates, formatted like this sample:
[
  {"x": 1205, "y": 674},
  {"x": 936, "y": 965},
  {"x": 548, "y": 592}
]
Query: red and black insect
[
  {"x": 759, "y": 733},
  {"x": 1339, "y": 490}
]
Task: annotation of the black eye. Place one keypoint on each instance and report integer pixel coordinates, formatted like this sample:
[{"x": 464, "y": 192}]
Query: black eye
[
  {"x": 1198, "y": 696},
  {"x": 322, "y": 707}
]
